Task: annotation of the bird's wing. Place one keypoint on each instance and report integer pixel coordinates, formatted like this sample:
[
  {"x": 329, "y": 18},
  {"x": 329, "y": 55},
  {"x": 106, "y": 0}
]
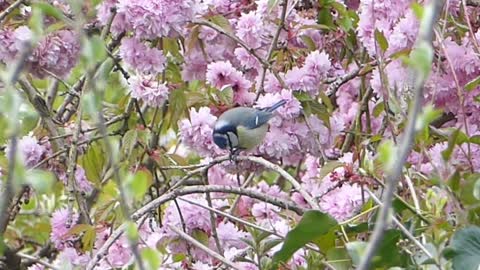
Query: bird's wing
[{"x": 257, "y": 118}]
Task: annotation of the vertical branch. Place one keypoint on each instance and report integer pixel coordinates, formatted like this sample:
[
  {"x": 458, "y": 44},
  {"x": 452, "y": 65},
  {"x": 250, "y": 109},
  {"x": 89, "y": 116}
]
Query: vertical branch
[
  {"x": 432, "y": 10},
  {"x": 73, "y": 194},
  {"x": 7, "y": 195},
  {"x": 273, "y": 46},
  {"x": 8, "y": 190},
  {"x": 213, "y": 223}
]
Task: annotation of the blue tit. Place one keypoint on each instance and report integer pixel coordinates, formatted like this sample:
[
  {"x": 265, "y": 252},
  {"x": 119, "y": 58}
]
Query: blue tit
[{"x": 243, "y": 128}]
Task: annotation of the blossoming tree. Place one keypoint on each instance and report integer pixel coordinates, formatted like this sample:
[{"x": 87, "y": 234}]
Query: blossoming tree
[{"x": 108, "y": 161}]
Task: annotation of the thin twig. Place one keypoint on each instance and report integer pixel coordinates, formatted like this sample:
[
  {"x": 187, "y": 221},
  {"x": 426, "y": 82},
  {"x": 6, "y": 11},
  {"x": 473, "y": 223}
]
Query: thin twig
[
  {"x": 274, "y": 167},
  {"x": 213, "y": 219},
  {"x": 8, "y": 192},
  {"x": 402, "y": 228},
  {"x": 199, "y": 245},
  {"x": 432, "y": 10},
  {"x": 231, "y": 217},
  {"x": 154, "y": 204},
  {"x": 273, "y": 46},
  {"x": 10, "y": 9},
  {"x": 37, "y": 260},
  {"x": 7, "y": 195}
]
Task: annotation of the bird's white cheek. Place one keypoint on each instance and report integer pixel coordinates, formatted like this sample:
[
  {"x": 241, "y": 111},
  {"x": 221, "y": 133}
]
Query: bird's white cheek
[{"x": 233, "y": 139}]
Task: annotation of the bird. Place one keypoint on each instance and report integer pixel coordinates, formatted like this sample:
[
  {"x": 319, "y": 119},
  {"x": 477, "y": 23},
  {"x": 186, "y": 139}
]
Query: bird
[{"x": 243, "y": 128}]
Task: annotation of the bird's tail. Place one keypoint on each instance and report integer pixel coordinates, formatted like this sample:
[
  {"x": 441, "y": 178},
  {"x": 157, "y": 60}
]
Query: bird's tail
[{"x": 276, "y": 105}]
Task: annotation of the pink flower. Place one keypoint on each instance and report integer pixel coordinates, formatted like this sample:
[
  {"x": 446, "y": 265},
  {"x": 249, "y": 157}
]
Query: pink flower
[
  {"x": 381, "y": 15},
  {"x": 141, "y": 57},
  {"x": 195, "y": 217},
  {"x": 60, "y": 227},
  {"x": 74, "y": 257},
  {"x": 317, "y": 64},
  {"x": 250, "y": 29},
  {"x": 230, "y": 236},
  {"x": 30, "y": 150},
  {"x": 81, "y": 182},
  {"x": 340, "y": 201},
  {"x": 272, "y": 85},
  {"x": 158, "y": 18},
  {"x": 119, "y": 23},
  {"x": 147, "y": 89},
  {"x": 57, "y": 53},
  {"x": 247, "y": 60},
  {"x": 222, "y": 73},
  {"x": 202, "y": 266},
  {"x": 119, "y": 254},
  {"x": 11, "y": 41},
  {"x": 195, "y": 66},
  {"x": 265, "y": 211},
  {"x": 404, "y": 33},
  {"x": 218, "y": 176},
  {"x": 36, "y": 266},
  {"x": 197, "y": 132},
  {"x": 278, "y": 143}
]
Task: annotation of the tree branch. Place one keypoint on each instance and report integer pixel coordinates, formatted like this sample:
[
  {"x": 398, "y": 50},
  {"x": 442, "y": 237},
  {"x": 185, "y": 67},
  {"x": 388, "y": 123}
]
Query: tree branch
[
  {"x": 10, "y": 9},
  {"x": 432, "y": 11},
  {"x": 199, "y": 245},
  {"x": 273, "y": 46}
]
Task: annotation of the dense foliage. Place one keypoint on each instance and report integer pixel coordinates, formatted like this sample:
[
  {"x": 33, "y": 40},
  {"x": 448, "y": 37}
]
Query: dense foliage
[{"x": 108, "y": 107}]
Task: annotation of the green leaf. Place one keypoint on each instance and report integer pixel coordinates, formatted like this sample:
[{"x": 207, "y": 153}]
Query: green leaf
[
  {"x": 41, "y": 181},
  {"x": 356, "y": 250},
  {"x": 339, "y": 259},
  {"x": 452, "y": 141},
  {"x": 152, "y": 258},
  {"x": 386, "y": 154},
  {"x": 417, "y": 9},
  {"x": 222, "y": 22},
  {"x": 328, "y": 168},
  {"x": 137, "y": 185},
  {"x": 200, "y": 236},
  {"x": 476, "y": 189},
  {"x": 271, "y": 4},
  {"x": 312, "y": 225},
  {"x": 36, "y": 21},
  {"x": 472, "y": 84},
  {"x": 428, "y": 115},
  {"x": 131, "y": 231},
  {"x": 93, "y": 161},
  {"x": 421, "y": 59},
  {"x": 129, "y": 141},
  {"x": 49, "y": 10},
  {"x": 94, "y": 50},
  {"x": 308, "y": 42},
  {"x": 88, "y": 239},
  {"x": 388, "y": 254},
  {"x": 465, "y": 249},
  {"x": 381, "y": 40}
]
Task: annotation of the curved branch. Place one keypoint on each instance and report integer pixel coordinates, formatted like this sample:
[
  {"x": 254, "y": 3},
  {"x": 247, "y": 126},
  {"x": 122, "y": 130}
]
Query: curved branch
[{"x": 149, "y": 207}]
